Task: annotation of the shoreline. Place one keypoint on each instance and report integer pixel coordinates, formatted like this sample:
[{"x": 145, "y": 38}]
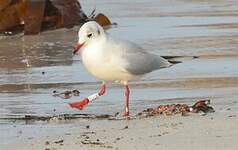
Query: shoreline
[{"x": 196, "y": 131}]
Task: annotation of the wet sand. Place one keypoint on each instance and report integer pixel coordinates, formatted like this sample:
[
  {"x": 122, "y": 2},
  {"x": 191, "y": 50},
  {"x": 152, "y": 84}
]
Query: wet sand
[
  {"x": 32, "y": 67},
  {"x": 209, "y": 132}
]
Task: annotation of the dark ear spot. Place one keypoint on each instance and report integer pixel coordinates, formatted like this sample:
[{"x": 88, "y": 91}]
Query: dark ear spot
[
  {"x": 98, "y": 32},
  {"x": 89, "y": 35}
]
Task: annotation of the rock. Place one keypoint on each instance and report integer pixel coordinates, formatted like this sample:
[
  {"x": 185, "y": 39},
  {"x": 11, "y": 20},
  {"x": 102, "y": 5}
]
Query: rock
[
  {"x": 34, "y": 16},
  {"x": 71, "y": 12},
  {"x": 4, "y": 4},
  {"x": 12, "y": 16}
]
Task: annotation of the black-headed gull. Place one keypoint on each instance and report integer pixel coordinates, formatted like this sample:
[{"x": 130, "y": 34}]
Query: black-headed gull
[{"x": 109, "y": 60}]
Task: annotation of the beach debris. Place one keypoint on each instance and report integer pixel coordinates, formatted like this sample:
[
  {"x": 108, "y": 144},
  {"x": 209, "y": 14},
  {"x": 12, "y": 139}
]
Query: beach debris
[
  {"x": 183, "y": 109},
  {"x": 59, "y": 141},
  {"x": 47, "y": 143},
  {"x": 232, "y": 116},
  {"x": 76, "y": 92},
  {"x": 86, "y": 137},
  {"x": 157, "y": 135},
  {"x": 116, "y": 114},
  {"x": 86, "y": 140},
  {"x": 66, "y": 94},
  {"x": 92, "y": 142},
  {"x": 202, "y": 106},
  {"x": 172, "y": 109},
  {"x": 88, "y": 132},
  {"x": 62, "y": 117},
  {"x": 126, "y": 127}
]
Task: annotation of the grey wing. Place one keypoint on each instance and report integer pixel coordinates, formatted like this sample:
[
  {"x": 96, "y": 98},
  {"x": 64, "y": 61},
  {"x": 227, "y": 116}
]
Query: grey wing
[{"x": 138, "y": 61}]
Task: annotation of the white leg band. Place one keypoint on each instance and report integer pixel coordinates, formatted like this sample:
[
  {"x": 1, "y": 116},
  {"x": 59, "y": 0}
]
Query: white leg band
[{"x": 93, "y": 97}]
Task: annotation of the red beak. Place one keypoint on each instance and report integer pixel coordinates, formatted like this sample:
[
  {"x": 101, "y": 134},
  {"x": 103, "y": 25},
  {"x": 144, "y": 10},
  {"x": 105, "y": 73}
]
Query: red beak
[{"x": 77, "y": 47}]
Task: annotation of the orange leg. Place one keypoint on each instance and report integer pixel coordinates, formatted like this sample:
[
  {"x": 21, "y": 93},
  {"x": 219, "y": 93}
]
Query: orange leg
[{"x": 81, "y": 104}]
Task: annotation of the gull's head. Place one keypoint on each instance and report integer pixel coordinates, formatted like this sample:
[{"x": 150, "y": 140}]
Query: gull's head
[{"x": 89, "y": 32}]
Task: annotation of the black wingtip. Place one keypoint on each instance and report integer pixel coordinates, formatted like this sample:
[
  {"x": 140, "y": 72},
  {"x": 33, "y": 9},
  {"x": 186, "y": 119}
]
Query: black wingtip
[
  {"x": 174, "y": 62},
  {"x": 173, "y": 59}
]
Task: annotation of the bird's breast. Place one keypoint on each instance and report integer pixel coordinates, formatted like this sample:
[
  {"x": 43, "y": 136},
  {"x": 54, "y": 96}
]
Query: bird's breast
[
  {"x": 103, "y": 67},
  {"x": 92, "y": 58}
]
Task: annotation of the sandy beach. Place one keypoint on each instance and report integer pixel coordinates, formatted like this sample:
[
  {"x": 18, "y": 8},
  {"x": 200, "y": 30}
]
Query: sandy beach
[
  {"x": 210, "y": 132},
  {"x": 204, "y": 33}
]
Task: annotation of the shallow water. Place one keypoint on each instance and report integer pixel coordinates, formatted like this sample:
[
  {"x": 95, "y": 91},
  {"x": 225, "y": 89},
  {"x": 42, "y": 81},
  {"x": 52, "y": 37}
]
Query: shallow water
[{"x": 32, "y": 67}]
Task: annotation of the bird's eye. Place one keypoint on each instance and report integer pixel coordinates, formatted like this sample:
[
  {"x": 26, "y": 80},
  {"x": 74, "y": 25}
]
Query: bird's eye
[{"x": 89, "y": 35}]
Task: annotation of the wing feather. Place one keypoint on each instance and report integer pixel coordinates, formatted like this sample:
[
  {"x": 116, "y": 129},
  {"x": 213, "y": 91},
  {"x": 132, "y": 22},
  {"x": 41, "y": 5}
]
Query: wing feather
[{"x": 137, "y": 61}]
